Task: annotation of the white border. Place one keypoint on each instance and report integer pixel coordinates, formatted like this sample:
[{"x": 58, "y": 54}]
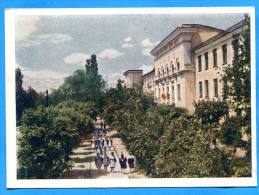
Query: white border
[{"x": 13, "y": 182}]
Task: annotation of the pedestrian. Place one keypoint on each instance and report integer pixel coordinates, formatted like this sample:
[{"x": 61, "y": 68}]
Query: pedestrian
[
  {"x": 98, "y": 161},
  {"x": 110, "y": 143},
  {"x": 112, "y": 162},
  {"x": 105, "y": 161},
  {"x": 93, "y": 143},
  {"x": 105, "y": 145},
  {"x": 131, "y": 162},
  {"x": 123, "y": 163}
]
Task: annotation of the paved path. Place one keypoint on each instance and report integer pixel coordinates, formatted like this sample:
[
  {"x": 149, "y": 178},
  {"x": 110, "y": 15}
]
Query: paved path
[{"x": 84, "y": 166}]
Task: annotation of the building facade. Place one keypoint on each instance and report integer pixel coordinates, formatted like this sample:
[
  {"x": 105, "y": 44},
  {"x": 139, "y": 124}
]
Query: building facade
[
  {"x": 148, "y": 80},
  {"x": 133, "y": 77},
  {"x": 188, "y": 64}
]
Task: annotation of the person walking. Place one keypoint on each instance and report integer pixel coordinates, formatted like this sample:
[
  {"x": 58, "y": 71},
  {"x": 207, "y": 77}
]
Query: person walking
[
  {"x": 93, "y": 143},
  {"x": 98, "y": 161},
  {"x": 106, "y": 161},
  {"x": 110, "y": 143},
  {"x": 131, "y": 162},
  {"x": 123, "y": 163},
  {"x": 112, "y": 162}
]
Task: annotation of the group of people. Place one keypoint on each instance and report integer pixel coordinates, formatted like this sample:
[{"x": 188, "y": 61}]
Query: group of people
[{"x": 101, "y": 144}]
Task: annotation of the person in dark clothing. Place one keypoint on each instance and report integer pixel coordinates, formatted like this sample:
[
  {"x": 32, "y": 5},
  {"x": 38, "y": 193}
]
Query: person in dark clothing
[
  {"x": 98, "y": 161},
  {"x": 123, "y": 163},
  {"x": 131, "y": 162}
]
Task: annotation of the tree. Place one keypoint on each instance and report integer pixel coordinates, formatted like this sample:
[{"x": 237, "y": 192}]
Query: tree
[
  {"x": 32, "y": 97},
  {"x": 236, "y": 130},
  {"x": 83, "y": 85},
  {"x": 20, "y": 94}
]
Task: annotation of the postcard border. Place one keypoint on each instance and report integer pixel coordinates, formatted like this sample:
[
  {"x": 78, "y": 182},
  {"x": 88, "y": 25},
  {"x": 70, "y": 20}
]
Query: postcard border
[{"x": 13, "y": 182}]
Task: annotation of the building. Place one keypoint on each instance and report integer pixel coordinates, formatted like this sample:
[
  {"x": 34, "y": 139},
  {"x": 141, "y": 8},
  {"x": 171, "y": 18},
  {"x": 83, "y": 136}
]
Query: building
[
  {"x": 210, "y": 57},
  {"x": 188, "y": 64},
  {"x": 148, "y": 80},
  {"x": 174, "y": 67},
  {"x": 133, "y": 77}
]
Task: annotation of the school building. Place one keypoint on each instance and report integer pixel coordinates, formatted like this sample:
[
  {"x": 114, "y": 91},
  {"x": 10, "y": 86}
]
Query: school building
[{"x": 188, "y": 65}]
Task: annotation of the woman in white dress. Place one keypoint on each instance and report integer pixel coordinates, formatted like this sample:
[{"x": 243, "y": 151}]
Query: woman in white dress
[{"x": 93, "y": 144}]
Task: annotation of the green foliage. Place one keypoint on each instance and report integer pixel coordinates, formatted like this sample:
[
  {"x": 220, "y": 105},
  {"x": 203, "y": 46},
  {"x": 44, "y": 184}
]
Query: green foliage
[
  {"x": 238, "y": 93},
  {"x": 186, "y": 152},
  {"x": 47, "y": 137},
  {"x": 24, "y": 99},
  {"x": 210, "y": 112},
  {"x": 83, "y": 85}
]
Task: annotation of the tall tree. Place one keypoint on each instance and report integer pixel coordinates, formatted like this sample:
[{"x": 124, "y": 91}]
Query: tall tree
[
  {"x": 236, "y": 130},
  {"x": 20, "y": 95}
]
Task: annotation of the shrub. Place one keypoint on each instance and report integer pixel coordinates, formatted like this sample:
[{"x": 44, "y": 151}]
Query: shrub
[{"x": 47, "y": 137}]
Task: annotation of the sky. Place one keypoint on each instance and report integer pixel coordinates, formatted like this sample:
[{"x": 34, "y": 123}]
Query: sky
[{"x": 50, "y": 48}]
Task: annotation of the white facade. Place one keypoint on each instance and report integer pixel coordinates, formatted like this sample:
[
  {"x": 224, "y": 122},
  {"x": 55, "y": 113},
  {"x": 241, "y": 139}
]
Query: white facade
[
  {"x": 188, "y": 64},
  {"x": 174, "y": 67},
  {"x": 220, "y": 53}
]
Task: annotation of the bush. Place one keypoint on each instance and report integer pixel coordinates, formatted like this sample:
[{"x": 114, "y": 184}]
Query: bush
[
  {"x": 47, "y": 137},
  {"x": 210, "y": 112}
]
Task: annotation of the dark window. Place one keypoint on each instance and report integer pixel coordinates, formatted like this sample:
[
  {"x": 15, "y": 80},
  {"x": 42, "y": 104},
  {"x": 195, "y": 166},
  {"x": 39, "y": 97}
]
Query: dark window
[
  {"x": 199, "y": 64},
  {"x": 215, "y": 62},
  {"x": 224, "y": 54},
  {"x": 178, "y": 92},
  {"x": 216, "y": 90},
  {"x": 206, "y": 88},
  {"x": 178, "y": 66},
  {"x": 206, "y": 57},
  {"x": 172, "y": 92},
  {"x": 200, "y": 89}
]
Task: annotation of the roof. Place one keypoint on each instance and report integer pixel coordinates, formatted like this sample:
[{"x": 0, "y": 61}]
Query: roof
[
  {"x": 183, "y": 26},
  {"x": 150, "y": 72},
  {"x": 218, "y": 36},
  {"x": 129, "y": 71}
]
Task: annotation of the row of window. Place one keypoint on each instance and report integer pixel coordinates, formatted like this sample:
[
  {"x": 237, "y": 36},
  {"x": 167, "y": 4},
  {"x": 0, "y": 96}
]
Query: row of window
[
  {"x": 206, "y": 83},
  {"x": 167, "y": 70},
  {"x": 178, "y": 92},
  {"x": 215, "y": 58}
]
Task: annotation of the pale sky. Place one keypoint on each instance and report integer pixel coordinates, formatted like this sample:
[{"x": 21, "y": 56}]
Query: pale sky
[{"x": 49, "y": 48}]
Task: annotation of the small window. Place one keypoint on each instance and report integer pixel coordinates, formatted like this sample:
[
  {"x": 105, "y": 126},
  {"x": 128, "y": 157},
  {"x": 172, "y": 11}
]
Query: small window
[
  {"x": 172, "y": 91},
  {"x": 177, "y": 64},
  {"x": 206, "y": 57},
  {"x": 215, "y": 58},
  {"x": 200, "y": 89},
  {"x": 206, "y": 89},
  {"x": 199, "y": 63},
  {"x": 178, "y": 92},
  {"x": 224, "y": 54},
  {"x": 216, "y": 90}
]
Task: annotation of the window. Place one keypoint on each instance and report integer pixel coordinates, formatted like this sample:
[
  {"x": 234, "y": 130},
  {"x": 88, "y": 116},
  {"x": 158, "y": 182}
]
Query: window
[
  {"x": 172, "y": 92},
  {"x": 215, "y": 63},
  {"x": 206, "y": 88},
  {"x": 206, "y": 57},
  {"x": 216, "y": 90},
  {"x": 200, "y": 89},
  {"x": 224, "y": 54},
  {"x": 177, "y": 64},
  {"x": 199, "y": 63},
  {"x": 178, "y": 92}
]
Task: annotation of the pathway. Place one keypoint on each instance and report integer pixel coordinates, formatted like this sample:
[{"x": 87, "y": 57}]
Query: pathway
[{"x": 84, "y": 166}]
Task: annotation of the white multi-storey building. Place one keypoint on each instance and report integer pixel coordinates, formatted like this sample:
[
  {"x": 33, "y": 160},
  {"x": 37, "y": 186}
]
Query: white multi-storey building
[{"x": 188, "y": 64}]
